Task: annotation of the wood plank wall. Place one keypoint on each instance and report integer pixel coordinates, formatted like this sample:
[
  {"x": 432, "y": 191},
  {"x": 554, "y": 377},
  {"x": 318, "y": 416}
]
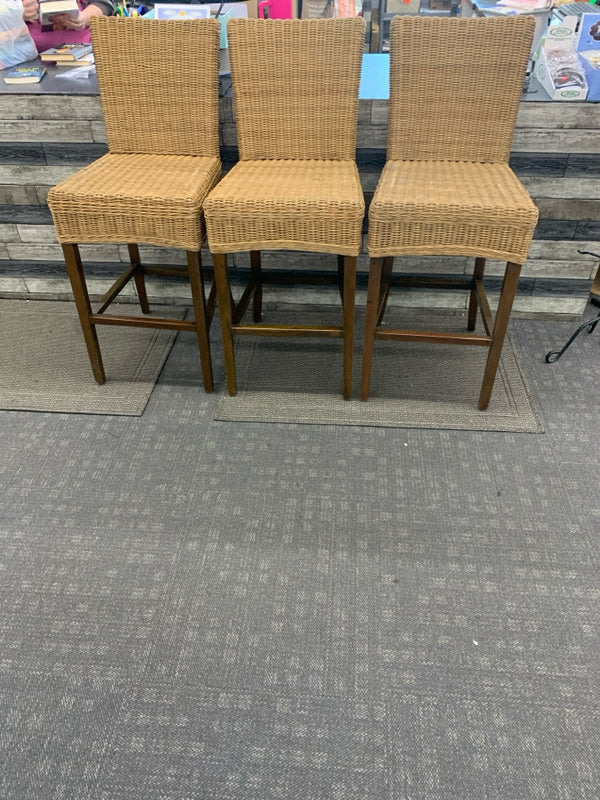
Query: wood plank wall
[{"x": 45, "y": 138}]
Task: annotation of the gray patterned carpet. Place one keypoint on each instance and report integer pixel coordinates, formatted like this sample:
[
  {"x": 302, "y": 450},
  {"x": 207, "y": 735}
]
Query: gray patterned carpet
[{"x": 238, "y": 611}]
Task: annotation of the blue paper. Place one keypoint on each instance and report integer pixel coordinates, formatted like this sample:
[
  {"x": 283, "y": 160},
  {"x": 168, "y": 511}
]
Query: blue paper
[{"x": 375, "y": 77}]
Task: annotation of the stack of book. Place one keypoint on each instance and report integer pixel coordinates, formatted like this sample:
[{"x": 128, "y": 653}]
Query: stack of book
[{"x": 69, "y": 55}]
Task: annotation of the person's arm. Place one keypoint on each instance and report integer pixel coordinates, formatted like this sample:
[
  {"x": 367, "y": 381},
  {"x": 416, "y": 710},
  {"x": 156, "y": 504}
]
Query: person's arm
[
  {"x": 97, "y": 8},
  {"x": 107, "y": 7},
  {"x": 31, "y": 10}
]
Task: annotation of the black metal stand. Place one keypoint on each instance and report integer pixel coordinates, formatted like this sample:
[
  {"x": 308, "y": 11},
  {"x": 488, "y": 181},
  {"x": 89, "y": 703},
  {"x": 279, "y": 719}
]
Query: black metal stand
[{"x": 554, "y": 355}]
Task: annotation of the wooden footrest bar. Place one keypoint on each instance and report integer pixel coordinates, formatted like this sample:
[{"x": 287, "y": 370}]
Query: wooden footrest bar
[
  {"x": 142, "y": 322},
  {"x": 484, "y": 307},
  {"x": 434, "y": 336},
  {"x": 331, "y": 331},
  {"x": 459, "y": 283},
  {"x": 279, "y": 278}
]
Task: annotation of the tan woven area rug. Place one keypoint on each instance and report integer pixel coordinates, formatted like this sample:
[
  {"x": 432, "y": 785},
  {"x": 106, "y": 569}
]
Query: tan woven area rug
[
  {"x": 413, "y": 385},
  {"x": 44, "y": 365}
]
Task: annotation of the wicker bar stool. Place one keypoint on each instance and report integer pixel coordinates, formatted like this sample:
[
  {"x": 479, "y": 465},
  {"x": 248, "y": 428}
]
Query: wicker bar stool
[
  {"x": 447, "y": 188},
  {"x": 162, "y": 121},
  {"x": 296, "y": 186}
]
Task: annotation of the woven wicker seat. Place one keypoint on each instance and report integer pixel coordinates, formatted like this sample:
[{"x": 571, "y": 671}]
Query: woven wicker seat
[
  {"x": 296, "y": 186},
  {"x": 447, "y": 188},
  {"x": 302, "y": 205},
  {"x": 163, "y": 135}
]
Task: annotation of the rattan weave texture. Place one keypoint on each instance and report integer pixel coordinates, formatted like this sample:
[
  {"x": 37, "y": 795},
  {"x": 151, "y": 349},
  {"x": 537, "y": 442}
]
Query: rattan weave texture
[
  {"x": 162, "y": 127},
  {"x": 159, "y": 84},
  {"x": 455, "y": 86},
  {"x": 453, "y": 208},
  {"x": 149, "y": 199},
  {"x": 316, "y": 206},
  {"x": 296, "y": 186},
  {"x": 302, "y": 106}
]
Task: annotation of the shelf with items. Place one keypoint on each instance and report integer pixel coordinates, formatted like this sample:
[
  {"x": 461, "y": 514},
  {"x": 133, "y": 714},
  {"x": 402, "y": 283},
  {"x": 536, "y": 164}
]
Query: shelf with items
[{"x": 383, "y": 11}]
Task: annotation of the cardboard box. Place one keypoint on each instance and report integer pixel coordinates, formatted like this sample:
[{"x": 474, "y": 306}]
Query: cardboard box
[
  {"x": 559, "y": 37},
  {"x": 588, "y": 47}
]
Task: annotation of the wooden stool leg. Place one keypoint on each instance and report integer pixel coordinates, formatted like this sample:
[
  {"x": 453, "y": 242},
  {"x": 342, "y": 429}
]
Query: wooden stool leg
[
  {"x": 256, "y": 270},
  {"x": 373, "y": 299},
  {"x": 477, "y": 276},
  {"x": 507, "y": 296},
  {"x": 84, "y": 308},
  {"x": 225, "y": 310},
  {"x": 348, "y": 312},
  {"x": 197, "y": 286},
  {"x": 384, "y": 290},
  {"x": 340, "y": 277},
  {"x": 138, "y": 277}
]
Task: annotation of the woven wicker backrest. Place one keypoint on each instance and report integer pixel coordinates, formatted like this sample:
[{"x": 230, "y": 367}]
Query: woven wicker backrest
[
  {"x": 456, "y": 85},
  {"x": 295, "y": 84},
  {"x": 159, "y": 84}
]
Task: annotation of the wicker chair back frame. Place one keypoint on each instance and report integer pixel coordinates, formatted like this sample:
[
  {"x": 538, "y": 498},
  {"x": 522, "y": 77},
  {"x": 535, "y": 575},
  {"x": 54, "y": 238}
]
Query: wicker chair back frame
[
  {"x": 159, "y": 84},
  {"x": 470, "y": 113},
  {"x": 303, "y": 106}
]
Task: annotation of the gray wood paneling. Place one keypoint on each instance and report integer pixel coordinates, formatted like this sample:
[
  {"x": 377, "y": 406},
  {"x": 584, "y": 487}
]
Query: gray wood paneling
[
  {"x": 41, "y": 130},
  {"x": 547, "y": 268},
  {"x": 25, "y": 214},
  {"x": 542, "y": 164},
  {"x": 589, "y": 230},
  {"x": 583, "y": 165},
  {"x": 35, "y": 234},
  {"x": 559, "y": 116},
  {"x": 18, "y": 153},
  {"x": 379, "y": 111},
  {"x": 565, "y": 188},
  {"x": 369, "y": 181},
  {"x": 560, "y": 250},
  {"x": 556, "y": 140},
  {"x": 99, "y": 131},
  {"x": 559, "y": 208},
  {"x": 555, "y": 229},
  {"x": 158, "y": 255},
  {"x": 42, "y": 194},
  {"x": 226, "y": 109},
  {"x": 372, "y": 136},
  {"x": 78, "y": 154},
  {"x": 9, "y": 233},
  {"x": 229, "y": 134},
  {"x": 18, "y": 195},
  {"x": 49, "y": 107},
  {"x": 34, "y": 176},
  {"x": 53, "y": 252}
]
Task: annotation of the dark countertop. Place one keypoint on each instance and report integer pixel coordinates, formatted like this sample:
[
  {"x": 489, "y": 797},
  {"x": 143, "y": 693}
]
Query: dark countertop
[{"x": 55, "y": 81}]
